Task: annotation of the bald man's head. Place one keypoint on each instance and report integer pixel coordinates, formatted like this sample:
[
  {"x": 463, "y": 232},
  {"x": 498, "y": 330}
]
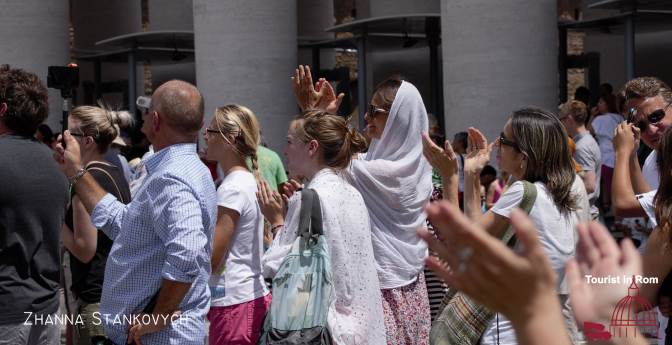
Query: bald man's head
[{"x": 181, "y": 104}]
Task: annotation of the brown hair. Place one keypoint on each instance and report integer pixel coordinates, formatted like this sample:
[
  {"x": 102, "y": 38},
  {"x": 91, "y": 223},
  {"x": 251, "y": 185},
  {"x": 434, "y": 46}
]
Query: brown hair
[
  {"x": 663, "y": 198},
  {"x": 387, "y": 90},
  {"x": 26, "y": 99},
  {"x": 576, "y": 109},
  {"x": 646, "y": 87},
  {"x": 542, "y": 138},
  {"x": 612, "y": 103},
  {"x": 337, "y": 141},
  {"x": 101, "y": 123},
  {"x": 241, "y": 123}
]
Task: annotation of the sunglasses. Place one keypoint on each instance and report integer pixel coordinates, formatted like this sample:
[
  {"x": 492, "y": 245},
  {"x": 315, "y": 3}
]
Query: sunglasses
[
  {"x": 653, "y": 118},
  {"x": 75, "y": 134},
  {"x": 209, "y": 130},
  {"x": 374, "y": 111},
  {"x": 507, "y": 142}
]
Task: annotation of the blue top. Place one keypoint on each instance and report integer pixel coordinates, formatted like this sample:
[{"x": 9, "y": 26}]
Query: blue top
[{"x": 164, "y": 233}]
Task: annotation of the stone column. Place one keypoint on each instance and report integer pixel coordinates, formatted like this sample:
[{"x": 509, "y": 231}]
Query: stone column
[
  {"x": 34, "y": 35},
  {"x": 313, "y": 17},
  {"x": 245, "y": 54},
  {"x": 497, "y": 57}
]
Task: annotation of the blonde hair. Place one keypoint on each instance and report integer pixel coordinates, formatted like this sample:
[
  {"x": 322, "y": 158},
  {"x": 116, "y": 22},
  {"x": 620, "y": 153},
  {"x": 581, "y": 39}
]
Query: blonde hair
[
  {"x": 241, "y": 123},
  {"x": 99, "y": 123},
  {"x": 337, "y": 141}
]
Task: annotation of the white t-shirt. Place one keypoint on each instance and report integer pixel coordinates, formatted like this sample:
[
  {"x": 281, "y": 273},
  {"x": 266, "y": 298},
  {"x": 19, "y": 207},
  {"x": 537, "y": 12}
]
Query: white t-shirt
[
  {"x": 238, "y": 278},
  {"x": 557, "y": 235},
  {"x": 604, "y": 126},
  {"x": 646, "y": 201},
  {"x": 650, "y": 170}
]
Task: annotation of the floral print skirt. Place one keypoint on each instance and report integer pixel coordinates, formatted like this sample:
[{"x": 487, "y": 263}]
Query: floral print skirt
[{"x": 407, "y": 316}]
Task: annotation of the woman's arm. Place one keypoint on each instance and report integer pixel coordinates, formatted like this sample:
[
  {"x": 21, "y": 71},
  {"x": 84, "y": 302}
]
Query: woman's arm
[
  {"x": 82, "y": 241},
  {"x": 224, "y": 230}
]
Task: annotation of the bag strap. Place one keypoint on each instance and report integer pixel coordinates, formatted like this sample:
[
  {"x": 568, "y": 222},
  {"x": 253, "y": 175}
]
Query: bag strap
[
  {"x": 310, "y": 216},
  {"x": 529, "y": 197},
  {"x": 121, "y": 196}
]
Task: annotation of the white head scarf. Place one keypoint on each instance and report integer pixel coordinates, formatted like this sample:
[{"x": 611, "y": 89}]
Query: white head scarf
[{"x": 395, "y": 180}]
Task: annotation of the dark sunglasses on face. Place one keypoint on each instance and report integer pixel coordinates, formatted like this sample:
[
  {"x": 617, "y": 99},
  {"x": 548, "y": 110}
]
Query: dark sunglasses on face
[
  {"x": 211, "y": 130},
  {"x": 374, "y": 111},
  {"x": 653, "y": 118},
  {"x": 507, "y": 142}
]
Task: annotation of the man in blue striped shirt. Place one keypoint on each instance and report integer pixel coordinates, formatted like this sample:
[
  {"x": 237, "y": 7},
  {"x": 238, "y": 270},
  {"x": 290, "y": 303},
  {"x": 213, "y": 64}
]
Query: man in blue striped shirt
[{"x": 162, "y": 239}]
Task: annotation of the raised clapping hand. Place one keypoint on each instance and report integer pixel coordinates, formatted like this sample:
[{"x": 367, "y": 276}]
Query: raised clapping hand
[
  {"x": 599, "y": 255},
  {"x": 309, "y": 96},
  {"x": 271, "y": 203},
  {"x": 478, "y": 152},
  {"x": 519, "y": 286},
  {"x": 69, "y": 159},
  {"x": 626, "y": 138},
  {"x": 442, "y": 159}
]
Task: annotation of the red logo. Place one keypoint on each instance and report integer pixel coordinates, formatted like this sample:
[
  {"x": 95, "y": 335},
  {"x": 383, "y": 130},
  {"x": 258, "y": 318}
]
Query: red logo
[{"x": 633, "y": 314}]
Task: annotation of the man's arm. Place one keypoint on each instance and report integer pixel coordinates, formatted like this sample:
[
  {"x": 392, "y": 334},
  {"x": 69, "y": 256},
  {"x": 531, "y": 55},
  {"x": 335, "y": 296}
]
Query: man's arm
[
  {"x": 637, "y": 179},
  {"x": 623, "y": 199}
]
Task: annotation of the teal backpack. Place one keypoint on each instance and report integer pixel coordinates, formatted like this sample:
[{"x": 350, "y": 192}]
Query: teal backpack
[{"x": 303, "y": 285}]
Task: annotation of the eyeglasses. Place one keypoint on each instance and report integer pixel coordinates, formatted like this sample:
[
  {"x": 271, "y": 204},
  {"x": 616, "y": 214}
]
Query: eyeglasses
[
  {"x": 373, "y": 110},
  {"x": 507, "y": 142},
  {"x": 209, "y": 130},
  {"x": 75, "y": 134},
  {"x": 653, "y": 118}
]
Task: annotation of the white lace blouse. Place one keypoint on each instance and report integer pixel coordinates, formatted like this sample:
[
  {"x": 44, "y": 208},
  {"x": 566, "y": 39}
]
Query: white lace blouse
[{"x": 356, "y": 312}]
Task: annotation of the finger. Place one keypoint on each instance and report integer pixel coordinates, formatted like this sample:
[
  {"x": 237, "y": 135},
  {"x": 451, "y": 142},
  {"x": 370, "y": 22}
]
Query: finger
[
  {"x": 448, "y": 149},
  {"x": 441, "y": 248},
  {"x": 309, "y": 78},
  {"x": 443, "y": 272},
  {"x": 477, "y": 136},
  {"x": 587, "y": 254},
  {"x": 339, "y": 99},
  {"x": 302, "y": 76},
  {"x": 577, "y": 289},
  {"x": 605, "y": 242},
  {"x": 69, "y": 139},
  {"x": 428, "y": 144}
]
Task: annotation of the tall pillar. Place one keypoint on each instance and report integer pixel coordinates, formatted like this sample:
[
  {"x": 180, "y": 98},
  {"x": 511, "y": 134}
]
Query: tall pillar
[
  {"x": 313, "y": 17},
  {"x": 245, "y": 54},
  {"x": 34, "y": 35},
  {"x": 497, "y": 57},
  {"x": 173, "y": 15}
]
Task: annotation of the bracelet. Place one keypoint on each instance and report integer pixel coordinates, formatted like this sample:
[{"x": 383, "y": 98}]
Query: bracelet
[
  {"x": 276, "y": 227},
  {"x": 73, "y": 179}
]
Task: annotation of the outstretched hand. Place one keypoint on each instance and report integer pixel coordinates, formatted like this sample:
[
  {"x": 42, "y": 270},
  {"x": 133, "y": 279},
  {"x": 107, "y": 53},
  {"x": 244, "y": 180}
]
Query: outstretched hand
[
  {"x": 478, "y": 152},
  {"x": 319, "y": 95},
  {"x": 598, "y": 255},
  {"x": 519, "y": 285},
  {"x": 442, "y": 159}
]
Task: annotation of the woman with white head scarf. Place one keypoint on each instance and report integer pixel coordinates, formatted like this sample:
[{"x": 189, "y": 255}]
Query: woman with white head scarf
[{"x": 395, "y": 180}]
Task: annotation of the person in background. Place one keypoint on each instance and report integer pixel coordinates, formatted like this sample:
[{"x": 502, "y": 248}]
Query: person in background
[
  {"x": 94, "y": 128},
  {"x": 45, "y": 135},
  {"x": 460, "y": 148},
  {"x": 240, "y": 298},
  {"x": 114, "y": 155},
  {"x": 33, "y": 198},
  {"x": 582, "y": 94},
  {"x": 573, "y": 116},
  {"x": 603, "y": 127},
  {"x": 489, "y": 183}
]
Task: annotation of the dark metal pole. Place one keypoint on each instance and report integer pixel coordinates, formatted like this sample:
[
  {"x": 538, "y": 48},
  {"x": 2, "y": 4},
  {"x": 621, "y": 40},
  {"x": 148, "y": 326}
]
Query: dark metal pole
[
  {"x": 131, "y": 81},
  {"x": 361, "y": 80},
  {"x": 316, "y": 61},
  {"x": 630, "y": 47},
  {"x": 562, "y": 63},
  {"x": 433, "y": 31},
  {"x": 98, "y": 92}
]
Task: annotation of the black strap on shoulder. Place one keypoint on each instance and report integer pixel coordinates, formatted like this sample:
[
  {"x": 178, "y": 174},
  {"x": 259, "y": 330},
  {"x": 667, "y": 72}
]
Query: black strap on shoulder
[{"x": 310, "y": 216}]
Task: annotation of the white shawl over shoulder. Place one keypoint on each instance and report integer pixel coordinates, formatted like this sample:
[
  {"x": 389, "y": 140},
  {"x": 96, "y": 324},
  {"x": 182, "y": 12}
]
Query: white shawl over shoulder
[{"x": 395, "y": 180}]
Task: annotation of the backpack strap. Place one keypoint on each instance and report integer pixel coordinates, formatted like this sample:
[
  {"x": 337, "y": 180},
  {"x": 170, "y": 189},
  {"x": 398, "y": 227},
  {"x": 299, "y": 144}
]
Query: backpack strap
[{"x": 529, "y": 197}]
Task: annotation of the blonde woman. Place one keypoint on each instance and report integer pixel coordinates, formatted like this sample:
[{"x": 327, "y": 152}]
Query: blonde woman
[
  {"x": 240, "y": 298},
  {"x": 94, "y": 128}
]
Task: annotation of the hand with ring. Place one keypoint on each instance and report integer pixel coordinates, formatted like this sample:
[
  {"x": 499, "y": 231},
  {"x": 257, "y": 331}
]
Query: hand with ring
[{"x": 518, "y": 285}]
